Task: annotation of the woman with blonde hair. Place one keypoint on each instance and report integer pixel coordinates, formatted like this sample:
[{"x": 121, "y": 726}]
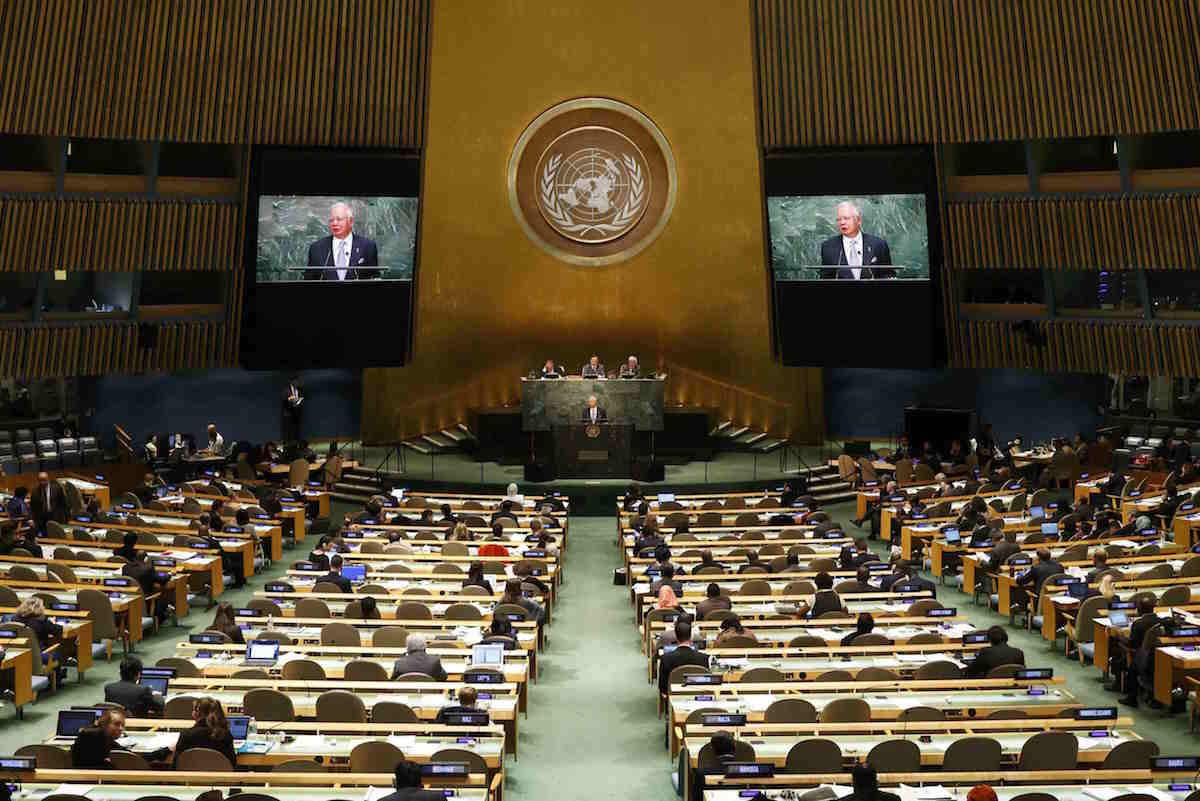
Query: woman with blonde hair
[
  {"x": 667, "y": 599},
  {"x": 32, "y": 613},
  {"x": 461, "y": 533},
  {"x": 1108, "y": 587},
  {"x": 210, "y": 730}
]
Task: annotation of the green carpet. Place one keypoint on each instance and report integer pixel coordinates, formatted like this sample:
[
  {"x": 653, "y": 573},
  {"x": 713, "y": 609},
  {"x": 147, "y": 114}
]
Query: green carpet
[{"x": 592, "y": 730}]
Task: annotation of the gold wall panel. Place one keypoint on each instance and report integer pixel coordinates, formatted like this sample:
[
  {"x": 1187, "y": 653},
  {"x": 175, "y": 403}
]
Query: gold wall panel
[
  {"x": 313, "y": 72},
  {"x": 118, "y": 235},
  {"x": 1075, "y": 233},
  {"x": 44, "y": 351},
  {"x": 974, "y": 70},
  {"x": 491, "y": 305},
  {"x": 1133, "y": 348}
]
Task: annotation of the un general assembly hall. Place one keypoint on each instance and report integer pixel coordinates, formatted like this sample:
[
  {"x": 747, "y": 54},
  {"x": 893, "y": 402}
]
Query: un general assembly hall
[{"x": 847, "y": 350}]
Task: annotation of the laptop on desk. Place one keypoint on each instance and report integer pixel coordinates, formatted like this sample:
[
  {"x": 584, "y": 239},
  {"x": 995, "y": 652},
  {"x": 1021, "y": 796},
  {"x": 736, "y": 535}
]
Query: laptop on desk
[
  {"x": 239, "y": 727},
  {"x": 1118, "y": 618},
  {"x": 70, "y": 721},
  {"x": 261, "y": 653}
]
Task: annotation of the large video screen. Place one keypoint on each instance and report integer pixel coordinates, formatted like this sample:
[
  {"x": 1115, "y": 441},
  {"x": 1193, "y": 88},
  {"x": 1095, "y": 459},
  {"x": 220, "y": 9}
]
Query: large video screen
[
  {"x": 332, "y": 242},
  {"x": 854, "y": 253},
  {"x": 334, "y": 238},
  {"x": 849, "y": 238}
]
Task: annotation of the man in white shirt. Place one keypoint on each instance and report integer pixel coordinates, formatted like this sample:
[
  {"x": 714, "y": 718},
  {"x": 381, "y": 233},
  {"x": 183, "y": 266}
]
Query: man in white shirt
[
  {"x": 216, "y": 443},
  {"x": 594, "y": 413},
  {"x": 343, "y": 254},
  {"x": 857, "y": 255}
]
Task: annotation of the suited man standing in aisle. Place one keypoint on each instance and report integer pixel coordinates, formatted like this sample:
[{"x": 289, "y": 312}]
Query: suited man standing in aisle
[
  {"x": 347, "y": 253},
  {"x": 293, "y": 400},
  {"x": 859, "y": 256},
  {"x": 49, "y": 502}
]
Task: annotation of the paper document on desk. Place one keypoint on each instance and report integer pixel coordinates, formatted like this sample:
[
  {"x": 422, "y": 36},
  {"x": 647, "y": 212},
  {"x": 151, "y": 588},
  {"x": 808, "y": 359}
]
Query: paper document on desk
[
  {"x": 405, "y": 742},
  {"x": 1105, "y": 793},
  {"x": 914, "y": 658},
  {"x": 927, "y": 793},
  {"x": 376, "y": 793},
  {"x": 74, "y": 789}
]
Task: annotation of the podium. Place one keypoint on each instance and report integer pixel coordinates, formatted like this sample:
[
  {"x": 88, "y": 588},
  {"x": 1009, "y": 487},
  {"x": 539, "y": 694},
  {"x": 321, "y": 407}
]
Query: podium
[{"x": 593, "y": 451}]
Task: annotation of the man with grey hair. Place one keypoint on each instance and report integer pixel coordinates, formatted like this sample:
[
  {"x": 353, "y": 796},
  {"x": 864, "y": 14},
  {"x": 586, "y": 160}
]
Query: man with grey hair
[
  {"x": 858, "y": 256},
  {"x": 343, "y": 255},
  {"x": 630, "y": 369},
  {"x": 594, "y": 413},
  {"x": 417, "y": 660}
]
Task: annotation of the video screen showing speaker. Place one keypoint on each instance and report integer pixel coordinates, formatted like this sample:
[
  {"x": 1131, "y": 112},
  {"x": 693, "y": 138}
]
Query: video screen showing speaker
[
  {"x": 332, "y": 244},
  {"x": 855, "y": 257},
  {"x": 335, "y": 239}
]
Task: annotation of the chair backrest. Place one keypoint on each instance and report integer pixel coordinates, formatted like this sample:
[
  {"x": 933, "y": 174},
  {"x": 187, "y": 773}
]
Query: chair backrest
[
  {"x": 49, "y": 757},
  {"x": 342, "y": 634},
  {"x": 264, "y": 605},
  {"x": 184, "y": 668},
  {"x": 1050, "y": 750},
  {"x": 474, "y": 761},
  {"x": 205, "y": 760},
  {"x": 389, "y": 637},
  {"x": 973, "y": 754},
  {"x": 282, "y": 636},
  {"x": 393, "y": 712},
  {"x": 762, "y": 674},
  {"x": 326, "y": 586},
  {"x": 303, "y": 670},
  {"x": 341, "y": 706},
  {"x": 815, "y": 755},
  {"x": 413, "y": 610},
  {"x": 895, "y": 756},
  {"x": 375, "y": 756},
  {"x": 846, "y": 710},
  {"x": 312, "y": 607},
  {"x": 298, "y": 473},
  {"x": 463, "y": 611},
  {"x": 800, "y": 587},
  {"x": 1131, "y": 755},
  {"x": 874, "y": 673},
  {"x": 23, "y": 573},
  {"x": 755, "y": 587},
  {"x": 264, "y": 703},
  {"x": 1175, "y": 596},
  {"x": 295, "y": 766},
  {"x": 365, "y": 670},
  {"x": 929, "y": 713},
  {"x": 939, "y": 669},
  {"x": 707, "y": 759},
  {"x": 790, "y": 710},
  {"x": 1085, "y": 619},
  {"x": 99, "y": 609}
]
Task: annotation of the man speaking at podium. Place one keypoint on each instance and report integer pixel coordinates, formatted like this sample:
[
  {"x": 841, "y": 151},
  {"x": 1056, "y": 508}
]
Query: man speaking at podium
[
  {"x": 594, "y": 413},
  {"x": 343, "y": 251},
  {"x": 858, "y": 256}
]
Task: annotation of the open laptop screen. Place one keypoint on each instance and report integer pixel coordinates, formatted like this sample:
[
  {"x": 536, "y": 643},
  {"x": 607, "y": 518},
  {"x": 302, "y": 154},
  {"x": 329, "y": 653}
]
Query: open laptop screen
[{"x": 262, "y": 649}]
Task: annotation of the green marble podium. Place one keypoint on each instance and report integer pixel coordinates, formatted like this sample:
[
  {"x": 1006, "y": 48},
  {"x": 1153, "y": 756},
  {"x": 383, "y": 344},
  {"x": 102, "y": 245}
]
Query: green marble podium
[{"x": 548, "y": 404}]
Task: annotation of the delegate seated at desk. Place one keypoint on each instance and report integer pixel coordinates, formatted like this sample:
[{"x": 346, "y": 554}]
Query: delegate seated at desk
[
  {"x": 630, "y": 369},
  {"x": 593, "y": 368},
  {"x": 550, "y": 370},
  {"x": 594, "y": 412}
]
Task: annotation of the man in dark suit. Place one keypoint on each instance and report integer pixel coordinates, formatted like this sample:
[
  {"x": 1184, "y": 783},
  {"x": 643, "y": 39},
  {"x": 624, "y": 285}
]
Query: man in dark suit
[
  {"x": 594, "y": 412},
  {"x": 857, "y": 255},
  {"x": 466, "y": 703},
  {"x": 292, "y": 403},
  {"x": 684, "y": 654},
  {"x": 1044, "y": 569},
  {"x": 416, "y": 660},
  {"x": 593, "y": 369},
  {"x": 49, "y": 502},
  {"x": 334, "y": 576},
  {"x": 137, "y": 699},
  {"x": 93, "y": 744},
  {"x": 1002, "y": 550},
  {"x": 998, "y": 653},
  {"x": 866, "y": 786},
  {"x": 1139, "y": 660},
  {"x": 408, "y": 785},
  {"x": 345, "y": 252}
]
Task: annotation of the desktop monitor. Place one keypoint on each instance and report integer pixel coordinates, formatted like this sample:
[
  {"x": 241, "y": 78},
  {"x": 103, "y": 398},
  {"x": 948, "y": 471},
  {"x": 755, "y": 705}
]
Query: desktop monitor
[
  {"x": 70, "y": 721},
  {"x": 239, "y": 726},
  {"x": 263, "y": 649},
  {"x": 157, "y": 684},
  {"x": 487, "y": 654},
  {"x": 357, "y": 574}
]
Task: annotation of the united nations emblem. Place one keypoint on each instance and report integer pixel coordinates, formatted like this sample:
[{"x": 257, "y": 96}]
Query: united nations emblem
[
  {"x": 592, "y": 431},
  {"x": 592, "y": 181}
]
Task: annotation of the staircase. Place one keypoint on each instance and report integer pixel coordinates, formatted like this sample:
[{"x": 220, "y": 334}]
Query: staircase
[
  {"x": 358, "y": 484},
  {"x": 823, "y": 481}
]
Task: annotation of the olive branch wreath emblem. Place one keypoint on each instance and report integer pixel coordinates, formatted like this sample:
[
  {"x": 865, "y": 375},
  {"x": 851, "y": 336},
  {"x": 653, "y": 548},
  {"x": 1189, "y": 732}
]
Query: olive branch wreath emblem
[{"x": 562, "y": 218}]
